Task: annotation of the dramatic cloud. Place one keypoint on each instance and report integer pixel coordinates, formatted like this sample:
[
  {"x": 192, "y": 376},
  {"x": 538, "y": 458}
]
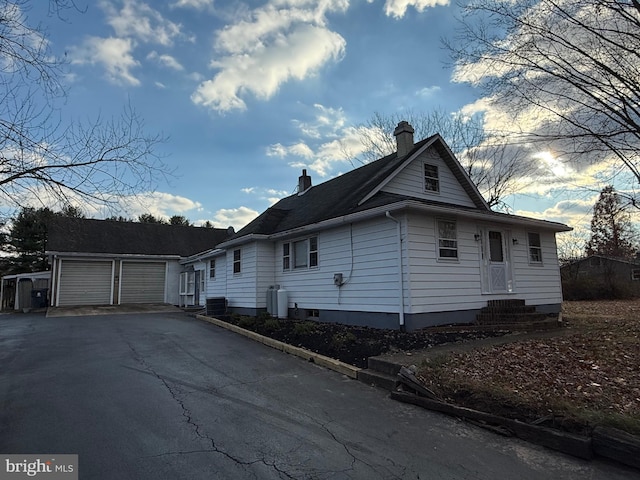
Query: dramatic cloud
[
  {"x": 274, "y": 44},
  {"x": 114, "y": 54},
  {"x": 138, "y": 20},
  {"x": 329, "y": 144},
  {"x": 397, "y": 8}
]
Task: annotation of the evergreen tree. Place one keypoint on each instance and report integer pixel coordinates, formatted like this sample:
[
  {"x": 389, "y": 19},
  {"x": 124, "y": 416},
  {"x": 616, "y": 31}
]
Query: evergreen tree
[
  {"x": 611, "y": 229},
  {"x": 148, "y": 218},
  {"x": 179, "y": 220},
  {"x": 26, "y": 241}
]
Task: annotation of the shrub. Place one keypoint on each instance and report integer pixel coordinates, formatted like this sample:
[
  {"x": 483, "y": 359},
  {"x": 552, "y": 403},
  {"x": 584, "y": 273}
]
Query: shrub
[
  {"x": 248, "y": 323},
  {"x": 304, "y": 328},
  {"x": 271, "y": 324},
  {"x": 340, "y": 340}
]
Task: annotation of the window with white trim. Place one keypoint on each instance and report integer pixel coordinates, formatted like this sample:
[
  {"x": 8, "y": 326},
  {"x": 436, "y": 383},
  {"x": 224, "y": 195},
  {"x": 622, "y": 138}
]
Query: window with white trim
[
  {"x": 202, "y": 284},
  {"x": 212, "y": 268},
  {"x": 237, "y": 261},
  {"x": 431, "y": 179},
  {"x": 535, "y": 247},
  {"x": 635, "y": 274},
  {"x": 300, "y": 254},
  {"x": 187, "y": 283},
  {"x": 447, "y": 240}
]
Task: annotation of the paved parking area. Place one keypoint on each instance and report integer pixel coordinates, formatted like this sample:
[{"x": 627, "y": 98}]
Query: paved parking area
[{"x": 166, "y": 396}]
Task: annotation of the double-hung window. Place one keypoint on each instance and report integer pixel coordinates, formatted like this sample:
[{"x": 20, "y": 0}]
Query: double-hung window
[
  {"x": 447, "y": 240},
  {"x": 535, "y": 247},
  {"x": 187, "y": 283},
  {"x": 300, "y": 254},
  {"x": 237, "y": 261},
  {"x": 212, "y": 268},
  {"x": 431, "y": 179}
]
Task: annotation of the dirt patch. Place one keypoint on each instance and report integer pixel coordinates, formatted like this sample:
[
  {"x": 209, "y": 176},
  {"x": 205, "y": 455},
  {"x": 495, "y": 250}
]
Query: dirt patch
[
  {"x": 350, "y": 344},
  {"x": 589, "y": 376}
]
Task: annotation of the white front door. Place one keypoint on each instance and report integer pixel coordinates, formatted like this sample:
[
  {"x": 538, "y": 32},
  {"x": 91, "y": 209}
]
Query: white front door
[{"x": 496, "y": 262}]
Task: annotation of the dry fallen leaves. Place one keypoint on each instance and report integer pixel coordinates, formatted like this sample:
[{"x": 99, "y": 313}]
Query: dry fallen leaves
[{"x": 596, "y": 366}]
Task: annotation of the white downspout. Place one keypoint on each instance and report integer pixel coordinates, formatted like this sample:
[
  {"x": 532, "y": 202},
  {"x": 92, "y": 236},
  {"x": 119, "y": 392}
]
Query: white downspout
[{"x": 401, "y": 273}]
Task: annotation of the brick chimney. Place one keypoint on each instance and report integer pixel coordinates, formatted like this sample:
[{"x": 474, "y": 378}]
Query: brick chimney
[
  {"x": 304, "y": 182},
  {"x": 404, "y": 138}
]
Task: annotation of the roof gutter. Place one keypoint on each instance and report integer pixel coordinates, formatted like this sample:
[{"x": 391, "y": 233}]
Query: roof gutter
[
  {"x": 416, "y": 205},
  {"x": 113, "y": 255}
]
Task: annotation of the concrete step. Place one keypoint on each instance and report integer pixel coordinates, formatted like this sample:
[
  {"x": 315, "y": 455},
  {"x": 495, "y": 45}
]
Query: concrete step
[
  {"x": 383, "y": 366},
  {"x": 378, "y": 379}
]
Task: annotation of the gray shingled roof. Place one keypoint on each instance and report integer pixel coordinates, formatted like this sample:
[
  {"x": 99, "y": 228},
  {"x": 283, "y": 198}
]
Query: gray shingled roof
[
  {"x": 342, "y": 195},
  {"x": 81, "y": 235}
]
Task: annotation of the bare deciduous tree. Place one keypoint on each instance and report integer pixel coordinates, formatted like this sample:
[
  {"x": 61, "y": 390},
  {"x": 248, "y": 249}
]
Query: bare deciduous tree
[
  {"x": 45, "y": 157},
  {"x": 492, "y": 163},
  {"x": 563, "y": 74}
]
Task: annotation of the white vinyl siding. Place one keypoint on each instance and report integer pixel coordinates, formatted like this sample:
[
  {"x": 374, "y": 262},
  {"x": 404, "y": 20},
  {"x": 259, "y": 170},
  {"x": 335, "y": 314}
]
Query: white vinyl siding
[
  {"x": 85, "y": 283},
  {"x": 142, "y": 282},
  {"x": 411, "y": 181},
  {"x": 370, "y": 272},
  {"x": 217, "y": 287},
  {"x": 450, "y": 286}
]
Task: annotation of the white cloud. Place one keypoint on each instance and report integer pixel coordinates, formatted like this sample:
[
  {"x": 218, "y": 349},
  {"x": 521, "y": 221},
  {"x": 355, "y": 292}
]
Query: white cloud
[
  {"x": 428, "y": 92},
  {"x": 234, "y": 217},
  {"x": 139, "y": 20},
  {"x": 397, "y": 8},
  {"x": 330, "y": 144},
  {"x": 165, "y": 60},
  {"x": 197, "y": 4},
  {"x": 274, "y": 44},
  {"x": 114, "y": 54}
]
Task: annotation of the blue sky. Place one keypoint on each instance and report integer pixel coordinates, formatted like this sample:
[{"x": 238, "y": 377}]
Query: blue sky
[{"x": 249, "y": 93}]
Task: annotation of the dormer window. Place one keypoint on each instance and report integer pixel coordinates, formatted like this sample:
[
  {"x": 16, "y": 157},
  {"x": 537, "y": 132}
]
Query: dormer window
[{"x": 431, "y": 179}]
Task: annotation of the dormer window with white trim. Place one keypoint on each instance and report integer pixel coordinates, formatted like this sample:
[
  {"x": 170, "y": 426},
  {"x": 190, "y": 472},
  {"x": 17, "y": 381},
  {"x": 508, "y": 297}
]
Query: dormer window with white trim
[{"x": 431, "y": 179}]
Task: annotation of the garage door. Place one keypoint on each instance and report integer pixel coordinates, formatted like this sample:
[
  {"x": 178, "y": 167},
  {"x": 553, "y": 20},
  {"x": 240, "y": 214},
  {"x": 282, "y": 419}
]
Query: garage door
[
  {"x": 85, "y": 283},
  {"x": 142, "y": 282}
]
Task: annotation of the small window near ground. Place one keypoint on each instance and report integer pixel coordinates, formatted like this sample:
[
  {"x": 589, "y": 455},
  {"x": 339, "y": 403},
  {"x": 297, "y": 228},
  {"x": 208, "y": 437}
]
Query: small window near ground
[
  {"x": 431, "y": 179},
  {"x": 447, "y": 240},
  {"x": 237, "y": 261},
  {"x": 212, "y": 268},
  {"x": 635, "y": 274},
  {"x": 535, "y": 247}
]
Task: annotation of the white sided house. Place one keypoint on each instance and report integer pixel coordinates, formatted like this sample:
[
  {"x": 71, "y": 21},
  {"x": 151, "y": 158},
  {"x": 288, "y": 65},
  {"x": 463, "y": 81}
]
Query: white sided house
[{"x": 404, "y": 242}]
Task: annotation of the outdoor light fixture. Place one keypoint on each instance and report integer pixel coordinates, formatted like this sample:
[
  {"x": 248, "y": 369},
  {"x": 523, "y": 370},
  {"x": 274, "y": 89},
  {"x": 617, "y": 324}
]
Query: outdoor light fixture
[
  {"x": 477, "y": 237},
  {"x": 515, "y": 241}
]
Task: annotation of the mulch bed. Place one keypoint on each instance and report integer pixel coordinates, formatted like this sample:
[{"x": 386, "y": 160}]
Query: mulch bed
[{"x": 350, "y": 344}]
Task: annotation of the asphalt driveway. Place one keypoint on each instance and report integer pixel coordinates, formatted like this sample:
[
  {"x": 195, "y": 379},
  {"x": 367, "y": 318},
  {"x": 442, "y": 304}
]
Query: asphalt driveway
[{"x": 166, "y": 396}]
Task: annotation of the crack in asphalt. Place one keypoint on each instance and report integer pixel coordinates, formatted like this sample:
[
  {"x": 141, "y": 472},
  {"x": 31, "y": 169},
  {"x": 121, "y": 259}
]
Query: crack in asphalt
[
  {"x": 186, "y": 413},
  {"x": 354, "y": 458}
]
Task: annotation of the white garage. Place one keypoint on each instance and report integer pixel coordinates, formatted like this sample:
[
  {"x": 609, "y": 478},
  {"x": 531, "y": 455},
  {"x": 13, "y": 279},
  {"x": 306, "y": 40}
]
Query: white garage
[
  {"x": 107, "y": 262},
  {"x": 85, "y": 282},
  {"x": 142, "y": 282}
]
